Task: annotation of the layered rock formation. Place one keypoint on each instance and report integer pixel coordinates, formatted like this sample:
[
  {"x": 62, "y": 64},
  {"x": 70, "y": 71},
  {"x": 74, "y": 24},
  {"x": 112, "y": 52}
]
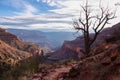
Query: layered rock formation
[
  {"x": 74, "y": 49},
  {"x": 16, "y": 56},
  {"x": 102, "y": 64},
  {"x": 14, "y": 49},
  {"x": 11, "y": 55},
  {"x": 18, "y": 43}
]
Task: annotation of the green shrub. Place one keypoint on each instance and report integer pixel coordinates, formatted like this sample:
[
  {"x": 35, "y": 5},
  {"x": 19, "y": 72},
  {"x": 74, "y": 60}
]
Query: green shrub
[{"x": 23, "y": 68}]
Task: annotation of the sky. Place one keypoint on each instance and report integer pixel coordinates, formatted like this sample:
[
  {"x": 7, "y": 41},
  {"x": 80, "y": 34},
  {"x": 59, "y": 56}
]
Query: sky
[{"x": 47, "y": 15}]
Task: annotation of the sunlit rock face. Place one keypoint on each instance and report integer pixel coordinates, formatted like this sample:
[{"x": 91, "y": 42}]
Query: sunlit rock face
[
  {"x": 13, "y": 49},
  {"x": 102, "y": 64},
  {"x": 75, "y": 49},
  {"x": 18, "y": 43},
  {"x": 11, "y": 55}
]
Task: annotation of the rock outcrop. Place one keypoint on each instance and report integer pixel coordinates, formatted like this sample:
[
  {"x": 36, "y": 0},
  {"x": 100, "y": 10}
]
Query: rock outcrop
[
  {"x": 11, "y": 55},
  {"x": 14, "y": 49},
  {"x": 16, "y": 56},
  {"x": 102, "y": 64},
  {"x": 18, "y": 43},
  {"x": 74, "y": 49}
]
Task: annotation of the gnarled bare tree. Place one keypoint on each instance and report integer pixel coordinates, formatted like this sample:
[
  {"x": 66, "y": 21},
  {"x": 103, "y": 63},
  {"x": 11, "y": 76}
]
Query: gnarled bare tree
[{"x": 89, "y": 20}]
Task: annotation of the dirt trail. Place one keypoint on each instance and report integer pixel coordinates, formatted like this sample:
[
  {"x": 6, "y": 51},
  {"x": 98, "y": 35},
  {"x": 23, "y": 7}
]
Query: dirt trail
[
  {"x": 51, "y": 74},
  {"x": 57, "y": 71}
]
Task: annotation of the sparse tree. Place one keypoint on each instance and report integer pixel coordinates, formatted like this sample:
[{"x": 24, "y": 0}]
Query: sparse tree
[{"x": 89, "y": 20}]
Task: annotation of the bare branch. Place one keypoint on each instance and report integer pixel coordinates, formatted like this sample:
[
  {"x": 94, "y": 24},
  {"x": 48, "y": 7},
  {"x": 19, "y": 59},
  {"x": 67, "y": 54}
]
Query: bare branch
[
  {"x": 81, "y": 22},
  {"x": 77, "y": 26},
  {"x": 97, "y": 22}
]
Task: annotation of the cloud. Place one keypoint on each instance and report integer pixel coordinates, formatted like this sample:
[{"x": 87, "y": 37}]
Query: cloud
[
  {"x": 59, "y": 18},
  {"x": 66, "y": 7},
  {"x": 28, "y": 10},
  {"x": 43, "y": 21},
  {"x": 23, "y": 6}
]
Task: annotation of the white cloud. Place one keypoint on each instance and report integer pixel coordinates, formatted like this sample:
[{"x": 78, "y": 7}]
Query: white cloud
[
  {"x": 28, "y": 10},
  {"x": 60, "y": 19},
  {"x": 44, "y": 21},
  {"x": 73, "y": 7}
]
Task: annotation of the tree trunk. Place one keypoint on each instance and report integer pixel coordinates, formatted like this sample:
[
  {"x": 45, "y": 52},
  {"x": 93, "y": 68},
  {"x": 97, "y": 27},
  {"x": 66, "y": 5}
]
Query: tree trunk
[{"x": 86, "y": 44}]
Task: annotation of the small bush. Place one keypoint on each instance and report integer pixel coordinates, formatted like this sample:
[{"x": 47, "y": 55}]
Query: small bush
[{"x": 23, "y": 68}]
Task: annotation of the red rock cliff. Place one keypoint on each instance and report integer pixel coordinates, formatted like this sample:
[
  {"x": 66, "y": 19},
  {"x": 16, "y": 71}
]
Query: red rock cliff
[
  {"x": 74, "y": 49},
  {"x": 18, "y": 43}
]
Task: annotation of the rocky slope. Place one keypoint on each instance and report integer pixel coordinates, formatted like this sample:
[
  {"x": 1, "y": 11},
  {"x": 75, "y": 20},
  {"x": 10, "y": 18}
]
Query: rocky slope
[
  {"x": 14, "y": 49},
  {"x": 18, "y": 43},
  {"x": 74, "y": 49},
  {"x": 101, "y": 66},
  {"x": 11, "y": 55},
  {"x": 103, "y": 63},
  {"x": 17, "y": 57}
]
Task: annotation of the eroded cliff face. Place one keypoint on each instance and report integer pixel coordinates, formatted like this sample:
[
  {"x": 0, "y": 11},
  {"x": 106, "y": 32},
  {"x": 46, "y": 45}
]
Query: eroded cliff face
[
  {"x": 17, "y": 57},
  {"x": 100, "y": 66},
  {"x": 11, "y": 55},
  {"x": 69, "y": 50},
  {"x": 14, "y": 49},
  {"x": 103, "y": 63},
  {"x": 18, "y": 43},
  {"x": 75, "y": 49},
  {"x": 104, "y": 60}
]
